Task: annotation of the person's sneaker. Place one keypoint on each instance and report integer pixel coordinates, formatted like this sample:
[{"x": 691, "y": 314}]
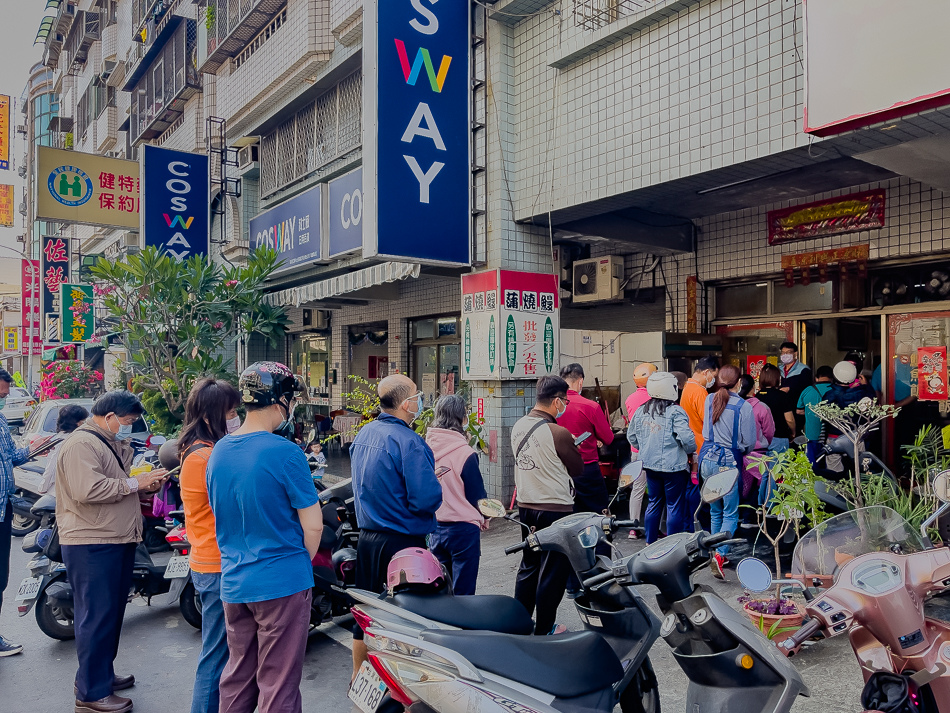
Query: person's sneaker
[
  {"x": 8, "y": 648},
  {"x": 558, "y": 629},
  {"x": 573, "y": 593},
  {"x": 632, "y": 535},
  {"x": 717, "y": 563}
]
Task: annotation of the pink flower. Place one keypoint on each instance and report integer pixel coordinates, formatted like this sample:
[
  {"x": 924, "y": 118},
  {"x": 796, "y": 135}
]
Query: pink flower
[
  {"x": 218, "y": 325},
  {"x": 230, "y": 283}
]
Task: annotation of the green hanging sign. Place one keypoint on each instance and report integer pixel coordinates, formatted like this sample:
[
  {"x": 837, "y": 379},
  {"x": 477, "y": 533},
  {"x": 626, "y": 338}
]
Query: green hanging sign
[
  {"x": 511, "y": 344},
  {"x": 548, "y": 344},
  {"x": 491, "y": 345},
  {"x": 77, "y": 319},
  {"x": 468, "y": 346}
]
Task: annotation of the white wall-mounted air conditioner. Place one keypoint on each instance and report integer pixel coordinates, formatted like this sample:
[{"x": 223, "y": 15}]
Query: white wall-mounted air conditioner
[
  {"x": 597, "y": 279},
  {"x": 248, "y": 158}
]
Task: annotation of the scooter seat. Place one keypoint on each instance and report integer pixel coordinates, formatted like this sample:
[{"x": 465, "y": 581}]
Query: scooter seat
[
  {"x": 493, "y": 612},
  {"x": 565, "y": 665}
]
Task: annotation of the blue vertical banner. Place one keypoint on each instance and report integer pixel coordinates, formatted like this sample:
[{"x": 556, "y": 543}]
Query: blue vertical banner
[
  {"x": 416, "y": 154},
  {"x": 175, "y": 201},
  {"x": 346, "y": 213}
]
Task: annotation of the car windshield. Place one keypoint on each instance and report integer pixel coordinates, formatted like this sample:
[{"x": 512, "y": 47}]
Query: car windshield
[{"x": 851, "y": 534}]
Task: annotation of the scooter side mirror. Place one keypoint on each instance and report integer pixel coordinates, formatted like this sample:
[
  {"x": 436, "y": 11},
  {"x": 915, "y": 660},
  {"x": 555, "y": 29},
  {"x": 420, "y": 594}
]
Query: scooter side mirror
[
  {"x": 941, "y": 486},
  {"x": 630, "y": 474},
  {"x": 156, "y": 441},
  {"x": 716, "y": 487},
  {"x": 754, "y": 574},
  {"x": 489, "y": 507}
]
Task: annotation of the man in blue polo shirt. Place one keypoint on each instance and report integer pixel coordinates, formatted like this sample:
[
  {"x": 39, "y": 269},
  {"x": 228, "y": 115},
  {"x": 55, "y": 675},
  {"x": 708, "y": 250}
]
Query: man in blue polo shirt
[
  {"x": 268, "y": 524},
  {"x": 395, "y": 489}
]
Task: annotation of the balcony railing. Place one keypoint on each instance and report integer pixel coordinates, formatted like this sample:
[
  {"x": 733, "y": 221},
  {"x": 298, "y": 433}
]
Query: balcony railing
[{"x": 226, "y": 26}]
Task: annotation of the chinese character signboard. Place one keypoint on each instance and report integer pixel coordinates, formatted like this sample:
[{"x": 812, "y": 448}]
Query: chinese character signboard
[
  {"x": 77, "y": 313},
  {"x": 292, "y": 229},
  {"x": 11, "y": 339},
  {"x": 845, "y": 214},
  {"x": 74, "y": 187},
  {"x": 932, "y": 374},
  {"x": 4, "y": 132},
  {"x": 416, "y": 166},
  {"x": 175, "y": 209},
  {"x": 53, "y": 273},
  {"x": 30, "y": 307},
  {"x": 510, "y": 325},
  {"x": 346, "y": 213},
  {"x": 6, "y": 206}
]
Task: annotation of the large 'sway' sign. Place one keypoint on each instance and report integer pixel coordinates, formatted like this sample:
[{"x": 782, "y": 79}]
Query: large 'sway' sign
[
  {"x": 175, "y": 212},
  {"x": 416, "y": 165}
]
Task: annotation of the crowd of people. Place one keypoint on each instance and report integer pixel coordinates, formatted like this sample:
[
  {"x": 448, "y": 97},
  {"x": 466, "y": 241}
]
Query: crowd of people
[{"x": 255, "y": 522}]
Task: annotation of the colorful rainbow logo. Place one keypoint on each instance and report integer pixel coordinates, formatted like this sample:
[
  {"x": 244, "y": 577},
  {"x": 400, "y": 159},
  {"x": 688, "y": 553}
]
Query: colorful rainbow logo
[{"x": 437, "y": 81}]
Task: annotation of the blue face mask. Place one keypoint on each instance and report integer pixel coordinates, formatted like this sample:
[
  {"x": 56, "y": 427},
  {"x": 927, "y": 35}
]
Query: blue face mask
[
  {"x": 125, "y": 432},
  {"x": 3, "y": 402}
]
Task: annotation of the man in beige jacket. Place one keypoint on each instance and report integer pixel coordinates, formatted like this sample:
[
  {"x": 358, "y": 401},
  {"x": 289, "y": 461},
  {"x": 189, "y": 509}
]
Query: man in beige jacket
[{"x": 100, "y": 524}]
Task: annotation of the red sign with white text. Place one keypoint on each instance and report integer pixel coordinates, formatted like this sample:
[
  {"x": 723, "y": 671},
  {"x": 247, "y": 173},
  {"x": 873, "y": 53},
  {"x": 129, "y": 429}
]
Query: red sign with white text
[
  {"x": 932, "y": 374},
  {"x": 30, "y": 307}
]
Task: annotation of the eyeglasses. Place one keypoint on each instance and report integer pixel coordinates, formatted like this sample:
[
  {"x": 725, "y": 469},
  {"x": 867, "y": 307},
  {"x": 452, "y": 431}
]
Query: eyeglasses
[
  {"x": 566, "y": 401},
  {"x": 414, "y": 396}
]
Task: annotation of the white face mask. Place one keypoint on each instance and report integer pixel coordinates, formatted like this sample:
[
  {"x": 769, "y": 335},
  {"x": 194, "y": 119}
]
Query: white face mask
[
  {"x": 787, "y": 358},
  {"x": 233, "y": 424},
  {"x": 417, "y": 400},
  {"x": 710, "y": 382}
]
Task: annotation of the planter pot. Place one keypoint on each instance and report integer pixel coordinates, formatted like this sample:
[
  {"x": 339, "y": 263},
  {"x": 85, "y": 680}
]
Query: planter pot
[
  {"x": 842, "y": 557},
  {"x": 765, "y": 622}
]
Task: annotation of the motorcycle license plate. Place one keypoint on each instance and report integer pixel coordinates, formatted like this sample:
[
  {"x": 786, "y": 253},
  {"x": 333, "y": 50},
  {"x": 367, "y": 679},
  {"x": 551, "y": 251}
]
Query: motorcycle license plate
[
  {"x": 29, "y": 588},
  {"x": 368, "y": 689},
  {"x": 177, "y": 567}
]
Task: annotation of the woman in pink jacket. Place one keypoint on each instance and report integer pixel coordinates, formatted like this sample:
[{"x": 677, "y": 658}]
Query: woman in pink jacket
[
  {"x": 764, "y": 431},
  {"x": 457, "y": 539}
]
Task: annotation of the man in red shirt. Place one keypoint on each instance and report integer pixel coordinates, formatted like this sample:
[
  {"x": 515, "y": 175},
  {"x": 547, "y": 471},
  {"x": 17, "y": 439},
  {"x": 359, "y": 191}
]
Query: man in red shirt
[{"x": 580, "y": 416}]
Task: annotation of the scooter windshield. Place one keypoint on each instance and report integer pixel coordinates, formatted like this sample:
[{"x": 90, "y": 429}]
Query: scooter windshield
[{"x": 842, "y": 538}]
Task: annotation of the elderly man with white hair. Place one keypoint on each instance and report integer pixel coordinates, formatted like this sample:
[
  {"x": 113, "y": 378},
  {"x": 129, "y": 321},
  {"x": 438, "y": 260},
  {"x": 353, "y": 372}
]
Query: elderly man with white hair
[{"x": 395, "y": 488}]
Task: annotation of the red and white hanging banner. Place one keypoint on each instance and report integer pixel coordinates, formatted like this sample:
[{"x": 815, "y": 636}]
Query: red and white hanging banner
[{"x": 932, "y": 374}]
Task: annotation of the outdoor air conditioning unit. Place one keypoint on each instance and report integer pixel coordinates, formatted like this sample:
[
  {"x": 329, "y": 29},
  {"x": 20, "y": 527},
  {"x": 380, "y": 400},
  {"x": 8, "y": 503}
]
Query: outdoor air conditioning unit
[
  {"x": 21, "y": 171},
  {"x": 21, "y": 129},
  {"x": 598, "y": 279},
  {"x": 248, "y": 158},
  {"x": 106, "y": 69}
]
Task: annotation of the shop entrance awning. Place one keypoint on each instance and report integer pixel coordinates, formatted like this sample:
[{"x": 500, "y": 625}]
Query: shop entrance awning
[{"x": 344, "y": 284}]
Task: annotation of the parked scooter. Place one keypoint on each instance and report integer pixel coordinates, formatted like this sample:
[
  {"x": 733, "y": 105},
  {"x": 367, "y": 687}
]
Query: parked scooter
[
  {"x": 883, "y": 571},
  {"x": 49, "y": 591},
  {"x": 334, "y": 566}
]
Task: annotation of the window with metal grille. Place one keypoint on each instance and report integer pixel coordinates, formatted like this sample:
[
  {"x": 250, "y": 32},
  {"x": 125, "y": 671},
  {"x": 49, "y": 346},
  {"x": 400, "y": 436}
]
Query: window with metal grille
[
  {"x": 322, "y": 131},
  {"x": 593, "y": 14}
]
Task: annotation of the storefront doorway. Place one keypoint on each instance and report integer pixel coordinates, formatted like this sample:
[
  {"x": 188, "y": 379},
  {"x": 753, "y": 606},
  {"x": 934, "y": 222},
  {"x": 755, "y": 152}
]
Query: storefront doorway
[{"x": 435, "y": 356}]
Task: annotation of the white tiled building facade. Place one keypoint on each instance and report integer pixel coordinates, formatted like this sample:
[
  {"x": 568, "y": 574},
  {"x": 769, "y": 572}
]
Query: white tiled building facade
[{"x": 688, "y": 111}]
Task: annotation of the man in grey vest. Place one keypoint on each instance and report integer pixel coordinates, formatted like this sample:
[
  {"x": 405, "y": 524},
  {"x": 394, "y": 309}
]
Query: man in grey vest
[{"x": 545, "y": 461}]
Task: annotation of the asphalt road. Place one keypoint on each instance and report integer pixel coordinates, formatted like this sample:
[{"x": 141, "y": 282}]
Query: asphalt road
[{"x": 161, "y": 649}]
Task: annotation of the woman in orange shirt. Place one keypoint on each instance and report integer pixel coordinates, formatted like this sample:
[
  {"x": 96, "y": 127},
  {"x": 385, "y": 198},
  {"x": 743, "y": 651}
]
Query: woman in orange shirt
[{"x": 210, "y": 414}]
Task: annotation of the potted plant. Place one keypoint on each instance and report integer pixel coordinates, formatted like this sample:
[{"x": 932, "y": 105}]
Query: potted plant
[{"x": 793, "y": 500}]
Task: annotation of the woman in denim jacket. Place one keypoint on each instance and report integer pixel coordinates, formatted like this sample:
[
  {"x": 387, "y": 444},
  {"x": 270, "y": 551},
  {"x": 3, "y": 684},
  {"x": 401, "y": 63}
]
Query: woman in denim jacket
[{"x": 660, "y": 429}]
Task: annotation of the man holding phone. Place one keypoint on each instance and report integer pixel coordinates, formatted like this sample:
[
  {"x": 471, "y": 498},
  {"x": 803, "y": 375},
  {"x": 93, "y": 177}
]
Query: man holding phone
[
  {"x": 10, "y": 456},
  {"x": 100, "y": 525}
]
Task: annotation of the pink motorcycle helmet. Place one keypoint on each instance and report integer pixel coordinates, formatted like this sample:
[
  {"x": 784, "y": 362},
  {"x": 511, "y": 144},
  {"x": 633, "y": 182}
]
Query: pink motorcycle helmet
[{"x": 415, "y": 569}]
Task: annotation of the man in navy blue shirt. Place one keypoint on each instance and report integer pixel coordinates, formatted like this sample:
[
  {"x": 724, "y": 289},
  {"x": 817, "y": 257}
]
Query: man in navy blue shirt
[
  {"x": 395, "y": 489},
  {"x": 268, "y": 524}
]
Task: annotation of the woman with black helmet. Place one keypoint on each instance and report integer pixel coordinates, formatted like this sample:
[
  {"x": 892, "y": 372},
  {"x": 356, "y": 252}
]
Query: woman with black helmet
[{"x": 268, "y": 525}]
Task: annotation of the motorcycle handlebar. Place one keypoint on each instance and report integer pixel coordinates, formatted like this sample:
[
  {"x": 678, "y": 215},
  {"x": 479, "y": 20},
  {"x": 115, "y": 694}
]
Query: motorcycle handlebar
[
  {"x": 705, "y": 541},
  {"x": 810, "y": 628},
  {"x": 516, "y": 548},
  {"x": 598, "y": 579},
  {"x": 635, "y": 524}
]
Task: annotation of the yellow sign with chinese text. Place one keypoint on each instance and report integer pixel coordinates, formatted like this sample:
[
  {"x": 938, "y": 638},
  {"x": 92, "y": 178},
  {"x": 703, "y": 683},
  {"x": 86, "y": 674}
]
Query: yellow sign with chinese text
[
  {"x": 11, "y": 339},
  {"x": 74, "y": 187},
  {"x": 4, "y": 132},
  {"x": 6, "y": 206}
]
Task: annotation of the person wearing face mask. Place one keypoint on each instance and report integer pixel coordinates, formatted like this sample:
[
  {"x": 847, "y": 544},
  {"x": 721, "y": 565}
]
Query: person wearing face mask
[
  {"x": 395, "y": 490},
  {"x": 268, "y": 525},
  {"x": 210, "y": 414},
  {"x": 546, "y": 460},
  {"x": 100, "y": 524},
  {"x": 796, "y": 377}
]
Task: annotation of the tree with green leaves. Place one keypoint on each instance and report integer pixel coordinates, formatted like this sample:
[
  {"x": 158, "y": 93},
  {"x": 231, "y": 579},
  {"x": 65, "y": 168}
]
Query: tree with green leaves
[{"x": 178, "y": 319}]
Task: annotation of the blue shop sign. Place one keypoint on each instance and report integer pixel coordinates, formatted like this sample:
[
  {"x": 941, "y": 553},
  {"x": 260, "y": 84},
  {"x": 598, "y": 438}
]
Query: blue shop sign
[
  {"x": 346, "y": 213},
  {"x": 174, "y": 205},
  {"x": 292, "y": 229},
  {"x": 416, "y": 164}
]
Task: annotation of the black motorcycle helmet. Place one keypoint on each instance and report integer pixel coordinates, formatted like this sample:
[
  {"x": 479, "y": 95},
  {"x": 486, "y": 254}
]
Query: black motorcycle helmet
[{"x": 265, "y": 383}]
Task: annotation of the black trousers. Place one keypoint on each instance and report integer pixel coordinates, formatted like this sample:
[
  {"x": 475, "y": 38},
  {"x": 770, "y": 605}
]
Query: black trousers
[
  {"x": 6, "y": 537},
  {"x": 101, "y": 576},
  {"x": 542, "y": 576},
  {"x": 374, "y": 550},
  {"x": 590, "y": 490}
]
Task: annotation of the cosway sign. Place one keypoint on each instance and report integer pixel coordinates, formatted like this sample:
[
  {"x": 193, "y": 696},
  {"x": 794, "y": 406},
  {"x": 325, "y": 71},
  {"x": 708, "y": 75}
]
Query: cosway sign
[
  {"x": 292, "y": 229},
  {"x": 416, "y": 165},
  {"x": 175, "y": 213}
]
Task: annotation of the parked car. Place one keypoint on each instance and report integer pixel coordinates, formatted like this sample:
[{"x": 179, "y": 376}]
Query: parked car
[
  {"x": 19, "y": 404},
  {"x": 29, "y": 477}
]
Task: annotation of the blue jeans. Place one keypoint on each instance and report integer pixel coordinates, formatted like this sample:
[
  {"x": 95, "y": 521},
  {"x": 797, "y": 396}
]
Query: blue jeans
[
  {"x": 813, "y": 450},
  {"x": 723, "y": 514},
  {"x": 767, "y": 483},
  {"x": 214, "y": 643},
  {"x": 674, "y": 486},
  {"x": 457, "y": 545}
]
